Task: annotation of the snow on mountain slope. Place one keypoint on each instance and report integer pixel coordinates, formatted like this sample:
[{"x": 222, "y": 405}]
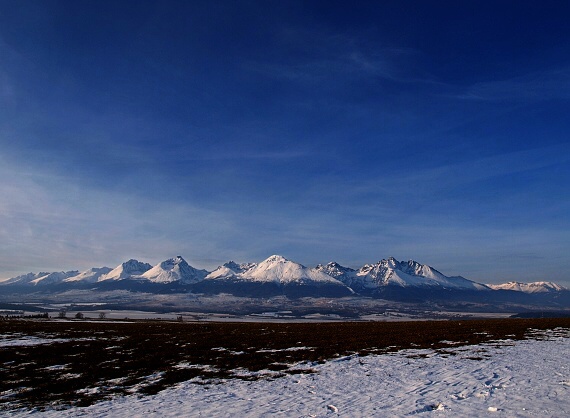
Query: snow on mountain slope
[
  {"x": 277, "y": 269},
  {"x": 42, "y": 278},
  {"x": 279, "y": 272},
  {"x": 393, "y": 272},
  {"x": 222, "y": 272},
  {"x": 410, "y": 274},
  {"x": 240, "y": 268},
  {"x": 174, "y": 270},
  {"x": 229, "y": 270},
  {"x": 128, "y": 270},
  {"x": 535, "y": 287},
  {"x": 24, "y": 278},
  {"x": 343, "y": 274},
  {"x": 88, "y": 276},
  {"x": 273, "y": 276},
  {"x": 53, "y": 278}
]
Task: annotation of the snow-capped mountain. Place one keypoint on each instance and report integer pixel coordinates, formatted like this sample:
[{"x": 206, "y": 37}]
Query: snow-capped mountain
[
  {"x": 41, "y": 279},
  {"x": 230, "y": 270},
  {"x": 534, "y": 287},
  {"x": 24, "y": 279},
  {"x": 343, "y": 274},
  {"x": 53, "y": 278},
  {"x": 412, "y": 273},
  {"x": 276, "y": 274},
  {"x": 387, "y": 279},
  {"x": 277, "y": 269},
  {"x": 174, "y": 270},
  {"x": 240, "y": 268},
  {"x": 131, "y": 269},
  {"x": 89, "y": 276},
  {"x": 391, "y": 272}
]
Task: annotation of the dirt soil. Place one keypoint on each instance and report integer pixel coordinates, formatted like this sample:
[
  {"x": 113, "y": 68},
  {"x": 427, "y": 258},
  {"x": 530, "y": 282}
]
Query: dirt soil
[{"x": 90, "y": 361}]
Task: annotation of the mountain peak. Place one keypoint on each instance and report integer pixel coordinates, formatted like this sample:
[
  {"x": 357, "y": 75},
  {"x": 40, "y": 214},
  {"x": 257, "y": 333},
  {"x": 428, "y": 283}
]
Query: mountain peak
[
  {"x": 134, "y": 265},
  {"x": 334, "y": 264},
  {"x": 410, "y": 274},
  {"x": 231, "y": 265},
  {"x": 389, "y": 262},
  {"x": 237, "y": 268},
  {"x": 343, "y": 274},
  {"x": 277, "y": 269},
  {"x": 334, "y": 269},
  {"x": 89, "y": 276},
  {"x": 174, "y": 270},
  {"x": 175, "y": 261},
  {"x": 53, "y": 278},
  {"x": 127, "y": 270},
  {"x": 275, "y": 259},
  {"x": 370, "y": 279}
]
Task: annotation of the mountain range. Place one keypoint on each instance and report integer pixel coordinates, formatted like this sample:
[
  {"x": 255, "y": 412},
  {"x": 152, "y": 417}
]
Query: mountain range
[{"x": 388, "y": 278}]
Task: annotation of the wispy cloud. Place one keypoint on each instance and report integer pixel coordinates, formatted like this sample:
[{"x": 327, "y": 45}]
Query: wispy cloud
[
  {"x": 463, "y": 173},
  {"x": 54, "y": 223},
  {"x": 348, "y": 64},
  {"x": 546, "y": 85},
  {"x": 6, "y": 88},
  {"x": 321, "y": 57},
  {"x": 237, "y": 154}
]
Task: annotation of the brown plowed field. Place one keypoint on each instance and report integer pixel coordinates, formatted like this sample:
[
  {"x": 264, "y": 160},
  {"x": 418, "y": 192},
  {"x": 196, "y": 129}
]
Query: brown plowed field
[{"x": 90, "y": 361}]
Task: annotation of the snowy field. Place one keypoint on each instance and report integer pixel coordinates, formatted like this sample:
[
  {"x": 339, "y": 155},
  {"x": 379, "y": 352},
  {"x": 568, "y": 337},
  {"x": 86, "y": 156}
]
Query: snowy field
[{"x": 508, "y": 379}]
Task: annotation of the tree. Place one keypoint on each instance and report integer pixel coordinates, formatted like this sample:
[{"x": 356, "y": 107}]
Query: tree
[
  {"x": 62, "y": 313},
  {"x": 79, "y": 315},
  {"x": 102, "y": 315}
]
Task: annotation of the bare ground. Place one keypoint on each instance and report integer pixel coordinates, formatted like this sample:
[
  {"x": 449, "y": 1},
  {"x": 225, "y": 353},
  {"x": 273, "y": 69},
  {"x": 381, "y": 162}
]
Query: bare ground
[{"x": 79, "y": 363}]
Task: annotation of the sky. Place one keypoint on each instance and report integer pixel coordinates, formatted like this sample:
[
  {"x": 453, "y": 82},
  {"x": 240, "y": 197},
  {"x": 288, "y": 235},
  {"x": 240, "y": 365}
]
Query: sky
[{"x": 319, "y": 130}]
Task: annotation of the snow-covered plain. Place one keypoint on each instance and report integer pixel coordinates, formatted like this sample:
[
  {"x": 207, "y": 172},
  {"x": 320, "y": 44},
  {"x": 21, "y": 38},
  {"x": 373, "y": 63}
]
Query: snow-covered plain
[{"x": 508, "y": 379}]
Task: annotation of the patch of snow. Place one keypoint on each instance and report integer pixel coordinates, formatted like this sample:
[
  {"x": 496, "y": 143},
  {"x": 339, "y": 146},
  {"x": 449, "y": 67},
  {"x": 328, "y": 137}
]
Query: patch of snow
[
  {"x": 332, "y": 408},
  {"x": 28, "y": 341},
  {"x": 528, "y": 378},
  {"x": 285, "y": 349},
  {"x": 57, "y": 367}
]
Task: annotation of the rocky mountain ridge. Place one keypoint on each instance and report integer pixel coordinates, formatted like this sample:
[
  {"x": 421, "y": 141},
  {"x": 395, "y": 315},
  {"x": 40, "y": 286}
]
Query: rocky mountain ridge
[{"x": 277, "y": 275}]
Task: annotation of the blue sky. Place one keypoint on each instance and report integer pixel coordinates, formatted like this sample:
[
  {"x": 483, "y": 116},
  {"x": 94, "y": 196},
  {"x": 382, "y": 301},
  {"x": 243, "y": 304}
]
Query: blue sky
[{"x": 319, "y": 130}]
